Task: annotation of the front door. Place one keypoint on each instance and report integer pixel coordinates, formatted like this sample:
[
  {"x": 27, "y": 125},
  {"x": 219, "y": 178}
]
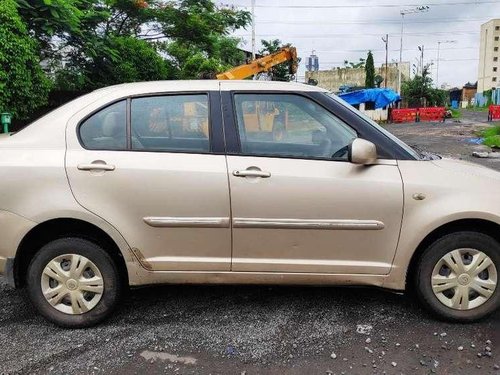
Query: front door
[
  {"x": 298, "y": 204},
  {"x": 146, "y": 165}
]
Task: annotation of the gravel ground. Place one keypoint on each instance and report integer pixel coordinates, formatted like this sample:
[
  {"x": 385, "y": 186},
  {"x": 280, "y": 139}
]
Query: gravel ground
[
  {"x": 262, "y": 330},
  {"x": 449, "y": 139}
]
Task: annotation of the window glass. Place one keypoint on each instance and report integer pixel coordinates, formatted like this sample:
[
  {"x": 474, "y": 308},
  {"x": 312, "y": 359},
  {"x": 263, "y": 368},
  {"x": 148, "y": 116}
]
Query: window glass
[
  {"x": 290, "y": 125},
  {"x": 170, "y": 123},
  {"x": 106, "y": 129}
]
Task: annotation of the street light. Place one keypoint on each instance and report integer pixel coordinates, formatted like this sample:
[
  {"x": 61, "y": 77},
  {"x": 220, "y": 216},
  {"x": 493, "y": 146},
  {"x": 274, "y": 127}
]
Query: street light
[
  {"x": 437, "y": 64},
  {"x": 403, "y": 12}
]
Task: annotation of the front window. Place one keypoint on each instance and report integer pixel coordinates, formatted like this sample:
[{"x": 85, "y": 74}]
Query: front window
[
  {"x": 290, "y": 125},
  {"x": 389, "y": 135}
]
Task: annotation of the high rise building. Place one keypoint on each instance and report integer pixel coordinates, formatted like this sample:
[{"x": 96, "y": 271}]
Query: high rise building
[{"x": 489, "y": 56}]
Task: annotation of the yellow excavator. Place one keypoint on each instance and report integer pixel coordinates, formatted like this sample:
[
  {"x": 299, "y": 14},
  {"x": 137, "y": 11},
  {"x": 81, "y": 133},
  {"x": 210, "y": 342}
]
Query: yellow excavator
[
  {"x": 262, "y": 116},
  {"x": 263, "y": 64}
]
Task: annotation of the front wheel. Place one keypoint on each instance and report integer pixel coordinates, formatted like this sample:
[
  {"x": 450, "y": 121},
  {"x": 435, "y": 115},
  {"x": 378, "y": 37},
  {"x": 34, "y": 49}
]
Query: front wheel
[
  {"x": 457, "y": 276},
  {"x": 73, "y": 283}
]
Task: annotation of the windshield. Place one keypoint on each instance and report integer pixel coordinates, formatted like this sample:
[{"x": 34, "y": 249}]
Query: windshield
[{"x": 389, "y": 135}]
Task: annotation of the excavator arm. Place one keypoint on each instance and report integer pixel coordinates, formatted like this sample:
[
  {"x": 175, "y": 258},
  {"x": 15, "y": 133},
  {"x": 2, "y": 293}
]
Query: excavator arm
[{"x": 263, "y": 64}]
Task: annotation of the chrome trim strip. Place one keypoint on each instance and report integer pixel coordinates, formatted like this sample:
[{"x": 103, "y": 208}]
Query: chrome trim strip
[
  {"x": 187, "y": 222},
  {"x": 181, "y": 259},
  {"x": 311, "y": 262},
  {"x": 308, "y": 224}
]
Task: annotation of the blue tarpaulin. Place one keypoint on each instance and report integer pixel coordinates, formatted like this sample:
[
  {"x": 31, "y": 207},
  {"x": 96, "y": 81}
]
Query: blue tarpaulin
[{"x": 381, "y": 97}]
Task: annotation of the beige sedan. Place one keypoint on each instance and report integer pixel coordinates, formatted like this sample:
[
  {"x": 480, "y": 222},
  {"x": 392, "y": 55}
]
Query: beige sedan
[{"x": 237, "y": 182}]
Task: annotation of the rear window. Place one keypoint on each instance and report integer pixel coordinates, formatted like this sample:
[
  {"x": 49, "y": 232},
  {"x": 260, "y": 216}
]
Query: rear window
[{"x": 106, "y": 129}]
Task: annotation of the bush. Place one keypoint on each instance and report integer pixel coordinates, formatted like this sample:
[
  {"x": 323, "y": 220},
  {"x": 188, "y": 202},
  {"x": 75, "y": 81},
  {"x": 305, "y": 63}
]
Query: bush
[{"x": 24, "y": 87}]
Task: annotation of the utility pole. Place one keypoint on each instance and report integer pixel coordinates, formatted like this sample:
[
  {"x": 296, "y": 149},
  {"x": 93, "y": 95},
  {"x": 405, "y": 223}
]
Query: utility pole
[
  {"x": 403, "y": 12},
  {"x": 386, "y": 41},
  {"x": 401, "y": 51},
  {"x": 253, "y": 29},
  {"x": 421, "y": 61}
]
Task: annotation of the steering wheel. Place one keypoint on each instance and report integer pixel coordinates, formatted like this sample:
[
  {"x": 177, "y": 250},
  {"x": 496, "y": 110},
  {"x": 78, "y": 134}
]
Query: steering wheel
[{"x": 341, "y": 153}]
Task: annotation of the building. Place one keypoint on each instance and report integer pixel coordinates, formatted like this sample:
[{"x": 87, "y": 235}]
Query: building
[
  {"x": 336, "y": 78},
  {"x": 489, "y": 56},
  {"x": 463, "y": 97}
]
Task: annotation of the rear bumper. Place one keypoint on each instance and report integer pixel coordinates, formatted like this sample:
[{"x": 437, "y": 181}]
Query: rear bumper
[
  {"x": 13, "y": 228},
  {"x": 7, "y": 270}
]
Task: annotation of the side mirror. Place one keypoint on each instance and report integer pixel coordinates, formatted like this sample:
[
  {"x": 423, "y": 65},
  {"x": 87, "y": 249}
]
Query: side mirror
[{"x": 362, "y": 152}]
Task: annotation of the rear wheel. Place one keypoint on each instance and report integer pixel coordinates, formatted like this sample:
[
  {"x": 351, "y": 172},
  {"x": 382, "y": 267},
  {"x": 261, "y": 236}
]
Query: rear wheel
[
  {"x": 457, "y": 276},
  {"x": 73, "y": 282}
]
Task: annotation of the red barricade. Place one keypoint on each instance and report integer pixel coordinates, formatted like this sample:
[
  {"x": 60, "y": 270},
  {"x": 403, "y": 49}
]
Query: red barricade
[
  {"x": 404, "y": 115},
  {"x": 431, "y": 114},
  {"x": 494, "y": 113}
]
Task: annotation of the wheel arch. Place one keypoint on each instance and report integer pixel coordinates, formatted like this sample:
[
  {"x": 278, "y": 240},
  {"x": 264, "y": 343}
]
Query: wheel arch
[
  {"x": 53, "y": 229},
  {"x": 487, "y": 227}
]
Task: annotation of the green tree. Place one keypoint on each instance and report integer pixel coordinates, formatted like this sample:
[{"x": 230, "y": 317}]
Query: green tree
[
  {"x": 369, "y": 71},
  {"x": 23, "y": 85},
  {"x": 279, "y": 72},
  {"x": 125, "y": 59},
  {"x": 191, "y": 35},
  {"x": 46, "y": 19},
  {"x": 355, "y": 65},
  {"x": 199, "y": 44},
  {"x": 419, "y": 91}
]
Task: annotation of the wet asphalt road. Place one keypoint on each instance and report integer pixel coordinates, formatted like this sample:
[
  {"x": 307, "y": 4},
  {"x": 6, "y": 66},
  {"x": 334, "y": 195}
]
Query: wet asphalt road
[{"x": 259, "y": 329}]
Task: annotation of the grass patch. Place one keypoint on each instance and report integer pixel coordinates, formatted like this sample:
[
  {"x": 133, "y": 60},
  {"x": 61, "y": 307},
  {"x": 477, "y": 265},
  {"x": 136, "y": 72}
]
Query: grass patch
[
  {"x": 478, "y": 109},
  {"x": 491, "y": 136},
  {"x": 456, "y": 113}
]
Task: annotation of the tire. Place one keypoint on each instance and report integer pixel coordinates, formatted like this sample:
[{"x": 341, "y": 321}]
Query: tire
[
  {"x": 94, "y": 270},
  {"x": 431, "y": 266}
]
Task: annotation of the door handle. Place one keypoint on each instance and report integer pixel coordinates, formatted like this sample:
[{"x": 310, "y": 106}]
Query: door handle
[
  {"x": 96, "y": 166},
  {"x": 251, "y": 173}
]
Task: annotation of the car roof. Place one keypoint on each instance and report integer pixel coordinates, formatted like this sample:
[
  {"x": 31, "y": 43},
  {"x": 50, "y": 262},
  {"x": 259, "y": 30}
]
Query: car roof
[{"x": 205, "y": 85}]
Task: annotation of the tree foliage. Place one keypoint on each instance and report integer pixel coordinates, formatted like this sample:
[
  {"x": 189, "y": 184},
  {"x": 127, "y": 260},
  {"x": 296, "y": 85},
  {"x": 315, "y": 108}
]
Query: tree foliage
[
  {"x": 355, "y": 65},
  {"x": 86, "y": 44},
  {"x": 369, "y": 71},
  {"x": 192, "y": 36},
  {"x": 23, "y": 85},
  {"x": 419, "y": 91},
  {"x": 279, "y": 72}
]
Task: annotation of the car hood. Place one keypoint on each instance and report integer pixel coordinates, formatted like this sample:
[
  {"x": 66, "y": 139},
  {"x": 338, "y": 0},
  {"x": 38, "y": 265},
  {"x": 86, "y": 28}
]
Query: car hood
[{"x": 467, "y": 168}]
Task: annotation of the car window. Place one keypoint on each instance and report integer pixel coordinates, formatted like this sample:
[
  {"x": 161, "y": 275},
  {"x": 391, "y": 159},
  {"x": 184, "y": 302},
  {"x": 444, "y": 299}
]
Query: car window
[
  {"x": 170, "y": 123},
  {"x": 290, "y": 125},
  {"x": 106, "y": 129},
  {"x": 389, "y": 135}
]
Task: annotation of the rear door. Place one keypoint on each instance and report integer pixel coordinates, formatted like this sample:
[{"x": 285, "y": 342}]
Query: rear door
[{"x": 153, "y": 167}]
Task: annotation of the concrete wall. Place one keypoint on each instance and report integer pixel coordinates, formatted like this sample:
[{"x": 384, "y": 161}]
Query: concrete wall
[
  {"x": 490, "y": 40},
  {"x": 334, "y": 78}
]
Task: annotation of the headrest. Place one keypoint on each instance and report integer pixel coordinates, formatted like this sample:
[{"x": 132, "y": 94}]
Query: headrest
[{"x": 113, "y": 124}]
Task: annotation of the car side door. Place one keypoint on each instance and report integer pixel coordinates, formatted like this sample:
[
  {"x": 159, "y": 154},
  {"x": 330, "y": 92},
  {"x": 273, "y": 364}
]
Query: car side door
[
  {"x": 154, "y": 168},
  {"x": 298, "y": 204}
]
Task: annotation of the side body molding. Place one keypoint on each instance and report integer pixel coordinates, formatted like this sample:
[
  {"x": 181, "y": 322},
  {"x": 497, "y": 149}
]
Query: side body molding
[{"x": 223, "y": 222}]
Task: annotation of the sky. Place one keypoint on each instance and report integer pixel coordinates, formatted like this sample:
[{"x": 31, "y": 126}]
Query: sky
[{"x": 339, "y": 30}]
